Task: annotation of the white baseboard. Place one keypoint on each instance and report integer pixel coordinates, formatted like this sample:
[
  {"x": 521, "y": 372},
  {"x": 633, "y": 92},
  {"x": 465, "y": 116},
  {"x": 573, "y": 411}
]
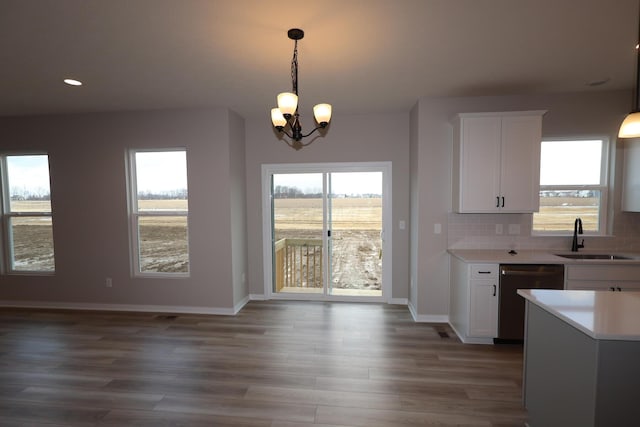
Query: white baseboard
[
  {"x": 257, "y": 297},
  {"x": 241, "y": 304},
  {"x": 427, "y": 318},
  {"x": 470, "y": 340},
  {"x": 399, "y": 301},
  {"x": 125, "y": 307},
  {"x": 432, "y": 318}
]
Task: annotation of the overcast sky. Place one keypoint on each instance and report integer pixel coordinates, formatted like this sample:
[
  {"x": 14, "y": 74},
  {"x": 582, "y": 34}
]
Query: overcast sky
[
  {"x": 159, "y": 172},
  {"x": 570, "y": 162},
  {"x": 28, "y": 174},
  {"x": 341, "y": 182}
]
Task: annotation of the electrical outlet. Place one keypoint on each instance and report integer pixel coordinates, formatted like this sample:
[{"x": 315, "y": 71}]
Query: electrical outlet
[
  {"x": 108, "y": 282},
  {"x": 499, "y": 229}
]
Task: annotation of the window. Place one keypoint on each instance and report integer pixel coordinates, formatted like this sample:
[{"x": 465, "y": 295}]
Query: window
[
  {"x": 573, "y": 184},
  {"x": 159, "y": 212},
  {"x": 26, "y": 209}
]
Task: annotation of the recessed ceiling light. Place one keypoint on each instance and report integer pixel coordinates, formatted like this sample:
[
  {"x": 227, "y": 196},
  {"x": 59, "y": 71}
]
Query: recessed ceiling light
[{"x": 73, "y": 82}]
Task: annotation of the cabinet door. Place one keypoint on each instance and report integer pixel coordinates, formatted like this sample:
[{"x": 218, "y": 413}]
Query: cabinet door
[
  {"x": 479, "y": 164},
  {"x": 520, "y": 163},
  {"x": 483, "y": 308}
]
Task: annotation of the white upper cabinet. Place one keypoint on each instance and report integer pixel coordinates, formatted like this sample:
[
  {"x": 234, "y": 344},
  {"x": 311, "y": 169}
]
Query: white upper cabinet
[{"x": 497, "y": 162}]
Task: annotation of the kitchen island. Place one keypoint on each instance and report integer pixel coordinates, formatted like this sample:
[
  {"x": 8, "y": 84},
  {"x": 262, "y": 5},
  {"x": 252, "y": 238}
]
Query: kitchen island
[{"x": 582, "y": 358}]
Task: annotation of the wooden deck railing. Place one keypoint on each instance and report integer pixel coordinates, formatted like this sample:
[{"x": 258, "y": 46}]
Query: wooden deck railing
[{"x": 298, "y": 263}]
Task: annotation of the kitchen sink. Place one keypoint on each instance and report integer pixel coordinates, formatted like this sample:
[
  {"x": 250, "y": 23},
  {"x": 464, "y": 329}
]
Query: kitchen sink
[{"x": 593, "y": 256}]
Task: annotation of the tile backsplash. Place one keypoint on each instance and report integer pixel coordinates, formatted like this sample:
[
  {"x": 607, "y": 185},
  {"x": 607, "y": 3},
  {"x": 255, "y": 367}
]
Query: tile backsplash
[{"x": 513, "y": 231}]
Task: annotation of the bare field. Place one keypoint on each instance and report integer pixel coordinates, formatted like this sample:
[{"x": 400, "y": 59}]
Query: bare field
[
  {"x": 356, "y": 226},
  {"x": 356, "y": 246},
  {"x": 561, "y": 212},
  {"x": 346, "y": 214}
]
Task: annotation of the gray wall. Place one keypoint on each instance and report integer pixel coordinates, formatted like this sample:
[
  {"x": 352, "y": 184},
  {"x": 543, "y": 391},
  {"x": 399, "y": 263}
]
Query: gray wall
[
  {"x": 88, "y": 176},
  {"x": 225, "y": 155},
  {"x": 597, "y": 113}
]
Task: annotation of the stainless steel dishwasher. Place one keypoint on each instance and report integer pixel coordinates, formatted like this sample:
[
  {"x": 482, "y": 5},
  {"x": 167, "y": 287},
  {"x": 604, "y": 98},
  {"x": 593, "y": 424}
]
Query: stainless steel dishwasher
[{"x": 511, "y": 305}]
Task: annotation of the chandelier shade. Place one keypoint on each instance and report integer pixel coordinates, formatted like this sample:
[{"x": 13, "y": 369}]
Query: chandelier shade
[
  {"x": 277, "y": 118},
  {"x": 285, "y": 118},
  {"x": 287, "y": 103},
  {"x": 322, "y": 113}
]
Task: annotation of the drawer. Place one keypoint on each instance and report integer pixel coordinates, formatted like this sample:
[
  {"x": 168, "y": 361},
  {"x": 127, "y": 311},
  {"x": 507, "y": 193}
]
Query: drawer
[{"x": 484, "y": 271}]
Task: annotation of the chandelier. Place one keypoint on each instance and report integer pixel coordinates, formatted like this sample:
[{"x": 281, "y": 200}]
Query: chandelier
[{"x": 285, "y": 118}]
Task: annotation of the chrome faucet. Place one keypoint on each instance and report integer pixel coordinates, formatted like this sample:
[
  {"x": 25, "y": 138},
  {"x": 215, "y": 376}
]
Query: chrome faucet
[{"x": 577, "y": 229}]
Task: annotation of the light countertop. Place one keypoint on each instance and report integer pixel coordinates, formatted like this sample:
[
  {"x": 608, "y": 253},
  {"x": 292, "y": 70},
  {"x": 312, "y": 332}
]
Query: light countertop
[
  {"x": 502, "y": 256},
  {"x": 602, "y": 315}
]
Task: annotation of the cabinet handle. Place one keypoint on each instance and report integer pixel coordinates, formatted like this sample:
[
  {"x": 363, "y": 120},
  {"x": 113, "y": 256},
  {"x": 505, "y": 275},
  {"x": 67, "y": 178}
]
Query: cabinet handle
[
  {"x": 494, "y": 290},
  {"x": 619, "y": 290},
  {"x": 612, "y": 289},
  {"x": 484, "y": 272},
  {"x": 497, "y": 201},
  {"x": 503, "y": 201}
]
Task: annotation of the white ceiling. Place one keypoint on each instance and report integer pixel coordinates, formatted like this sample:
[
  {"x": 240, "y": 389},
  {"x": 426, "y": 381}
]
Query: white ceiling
[{"x": 359, "y": 55}]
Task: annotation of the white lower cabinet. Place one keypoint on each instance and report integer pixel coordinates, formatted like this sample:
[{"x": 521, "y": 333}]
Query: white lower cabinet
[
  {"x": 473, "y": 311},
  {"x": 603, "y": 277},
  {"x": 483, "y": 308}
]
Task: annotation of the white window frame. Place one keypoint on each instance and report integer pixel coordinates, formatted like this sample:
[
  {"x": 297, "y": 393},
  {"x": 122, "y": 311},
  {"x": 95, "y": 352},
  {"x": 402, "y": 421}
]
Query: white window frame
[
  {"x": 603, "y": 188},
  {"x": 8, "y": 215},
  {"x": 135, "y": 215}
]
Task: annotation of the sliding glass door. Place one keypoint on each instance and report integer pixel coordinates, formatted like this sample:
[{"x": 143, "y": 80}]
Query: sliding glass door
[{"x": 325, "y": 231}]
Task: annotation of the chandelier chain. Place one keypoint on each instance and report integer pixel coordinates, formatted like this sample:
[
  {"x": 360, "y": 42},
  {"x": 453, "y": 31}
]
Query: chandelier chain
[{"x": 294, "y": 68}]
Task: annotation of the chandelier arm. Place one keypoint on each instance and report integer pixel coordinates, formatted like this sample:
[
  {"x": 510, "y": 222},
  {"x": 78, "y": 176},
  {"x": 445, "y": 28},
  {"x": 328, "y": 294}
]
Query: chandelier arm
[
  {"x": 317, "y": 128},
  {"x": 297, "y": 144},
  {"x": 284, "y": 130}
]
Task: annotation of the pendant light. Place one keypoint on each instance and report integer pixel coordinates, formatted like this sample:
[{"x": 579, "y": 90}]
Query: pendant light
[{"x": 630, "y": 127}]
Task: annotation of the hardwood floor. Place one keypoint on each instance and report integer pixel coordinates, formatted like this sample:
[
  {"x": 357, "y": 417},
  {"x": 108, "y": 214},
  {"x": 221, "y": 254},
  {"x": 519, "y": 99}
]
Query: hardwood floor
[{"x": 276, "y": 364}]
